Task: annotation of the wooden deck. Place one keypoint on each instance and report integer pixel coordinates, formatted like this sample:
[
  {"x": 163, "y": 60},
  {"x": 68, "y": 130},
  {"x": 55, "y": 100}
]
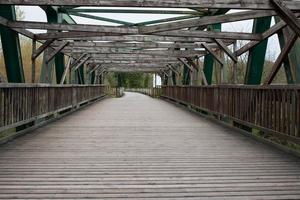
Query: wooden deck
[{"x": 141, "y": 148}]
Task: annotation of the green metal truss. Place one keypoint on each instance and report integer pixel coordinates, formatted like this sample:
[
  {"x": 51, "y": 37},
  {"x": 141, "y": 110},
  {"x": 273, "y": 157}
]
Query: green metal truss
[
  {"x": 256, "y": 59},
  {"x": 209, "y": 59},
  {"x": 11, "y": 48}
]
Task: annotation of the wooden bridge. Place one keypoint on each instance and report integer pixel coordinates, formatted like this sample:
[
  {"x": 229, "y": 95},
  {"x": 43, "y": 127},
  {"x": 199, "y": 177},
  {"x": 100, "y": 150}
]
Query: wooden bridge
[
  {"x": 216, "y": 128},
  {"x": 137, "y": 147}
]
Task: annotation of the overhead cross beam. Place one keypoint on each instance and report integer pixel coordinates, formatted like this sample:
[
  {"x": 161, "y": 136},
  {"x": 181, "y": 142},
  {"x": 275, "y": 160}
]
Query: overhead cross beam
[
  {"x": 210, "y": 4},
  {"x": 207, "y": 20}
]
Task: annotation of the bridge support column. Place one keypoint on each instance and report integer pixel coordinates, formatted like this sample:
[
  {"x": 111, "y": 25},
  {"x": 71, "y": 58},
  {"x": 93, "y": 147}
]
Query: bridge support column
[
  {"x": 80, "y": 75},
  {"x": 209, "y": 59},
  {"x": 11, "y": 48},
  {"x": 256, "y": 59},
  {"x": 59, "y": 62}
]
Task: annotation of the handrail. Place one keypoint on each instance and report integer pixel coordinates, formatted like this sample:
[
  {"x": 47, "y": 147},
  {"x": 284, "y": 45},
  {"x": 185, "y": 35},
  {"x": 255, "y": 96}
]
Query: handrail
[
  {"x": 271, "y": 109},
  {"x": 24, "y": 103}
]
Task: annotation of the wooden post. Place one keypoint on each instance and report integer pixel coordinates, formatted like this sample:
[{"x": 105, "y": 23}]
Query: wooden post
[{"x": 33, "y": 61}]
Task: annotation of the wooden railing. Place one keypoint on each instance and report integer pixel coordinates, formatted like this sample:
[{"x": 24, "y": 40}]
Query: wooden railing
[
  {"x": 153, "y": 92},
  {"x": 24, "y": 103},
  {"x": 273, "y": 109}
]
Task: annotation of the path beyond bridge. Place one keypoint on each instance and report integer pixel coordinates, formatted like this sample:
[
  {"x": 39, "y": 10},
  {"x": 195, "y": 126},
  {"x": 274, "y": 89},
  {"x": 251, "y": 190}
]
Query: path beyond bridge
[{"x": 137, "y": 147}]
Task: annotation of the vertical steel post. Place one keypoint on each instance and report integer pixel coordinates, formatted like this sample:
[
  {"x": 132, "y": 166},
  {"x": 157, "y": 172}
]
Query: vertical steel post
[
  {"x": 209, "y": 59},
  {"x": 256, "y": 59},
  {"x": 11, "y": 47}
]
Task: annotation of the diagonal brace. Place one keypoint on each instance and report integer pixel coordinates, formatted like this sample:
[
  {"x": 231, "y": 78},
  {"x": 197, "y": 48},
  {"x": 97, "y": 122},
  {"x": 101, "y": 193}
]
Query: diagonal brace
[{"x": 56, "y": 51}]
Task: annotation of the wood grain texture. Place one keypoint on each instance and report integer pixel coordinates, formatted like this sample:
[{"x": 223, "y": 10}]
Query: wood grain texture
[{"x": 137, "y": 147}]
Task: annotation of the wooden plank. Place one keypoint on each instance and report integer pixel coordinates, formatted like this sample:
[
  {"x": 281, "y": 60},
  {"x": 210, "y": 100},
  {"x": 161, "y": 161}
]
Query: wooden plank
[
  {"x": 147, "y": 38},
  {"x": 284, "y": 53},
  {"x": 143, "y": 157},
  {"x": 211, "y": 51},
  {"x": 204, "y": 21},
  {"x": 82, "y": 62},
  {"x": 161, "y": 53},
  {"x": 42, "y": 48},
  {"x": 56, "y": 51},
  {"x": 67, "y": 68},
  {"x": 151, "y": 45},
  {"x": 287, "y": 15},
  {"x": 212, "y": 35},
  {"x": 226, "y": 50},
  {"x": 229, "y": 4},
  {"x": 185, "y": 64},
  {"x": 71, "y": 27}
]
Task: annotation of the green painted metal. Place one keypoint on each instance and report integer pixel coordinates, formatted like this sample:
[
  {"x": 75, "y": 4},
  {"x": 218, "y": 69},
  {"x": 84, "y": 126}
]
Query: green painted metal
[
  {"x": 209, "y": 60},
  {"x": 46, "y": 73},
  {"x": 174, "y": 78},
  {"x": 93, "y": 76},
  {"x": 186, "y": 76},
  {"x": 257, "y": 55},
  {"x": 11, "y": 48},
  {"x": 80, "y": 75}
]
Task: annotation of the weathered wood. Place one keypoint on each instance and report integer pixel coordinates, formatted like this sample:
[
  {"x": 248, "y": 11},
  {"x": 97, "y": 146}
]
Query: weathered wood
[
  {"x": 283, "y": 55},
  {"x": 287, "y": 15},
  {"x": 72, "y": 34},
  {"x": 147, "y": 38},
  {"x": 56, "y": 51},
  {"x": 207, "y": 20},
  {"x": 42, "y": 48},
  {"x": 186, "y": 64},
  {"x": 71, "y": 27},
  {"x": 211, "y": 35},
  {"x": 150, "y": 45},
  {"x": 80, "y": 57},
  {"x": 161, "y": 53},
  {"x": 226, "y": 50},
  {"x": 82, "y": 62},
  {"x": 33, "y": 62},
  {"x": 67, "y": 69},
  {"x": 229, "y": 4},
  {"x": 97, "y": 67},
  {"x": 212, "y": 52},
  {"x": 168, "y": 154}
]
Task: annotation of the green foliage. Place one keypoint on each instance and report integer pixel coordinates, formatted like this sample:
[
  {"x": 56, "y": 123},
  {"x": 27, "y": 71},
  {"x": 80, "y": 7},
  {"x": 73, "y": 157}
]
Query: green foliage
[{"x": 129, "y": 80}]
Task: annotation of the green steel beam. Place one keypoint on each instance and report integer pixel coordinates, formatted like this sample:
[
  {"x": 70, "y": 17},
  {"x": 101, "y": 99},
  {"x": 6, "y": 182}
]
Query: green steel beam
[
  {"x": 174, "y": 78},
  {"x": 11, "y": 48},
  {"x": 80, "y": 75},
  {"x": 209, "y": 60},
  {"x": 208, "y": 65},
  {"x": 53, "y": 17},
  {"x": 93, "y": 76},
  {"x": 186, "y": 76},
  {"x": 256, "y": 59}
]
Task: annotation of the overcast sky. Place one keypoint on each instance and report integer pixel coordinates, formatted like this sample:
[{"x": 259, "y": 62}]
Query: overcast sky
[{"x": 33, "y": 13}]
